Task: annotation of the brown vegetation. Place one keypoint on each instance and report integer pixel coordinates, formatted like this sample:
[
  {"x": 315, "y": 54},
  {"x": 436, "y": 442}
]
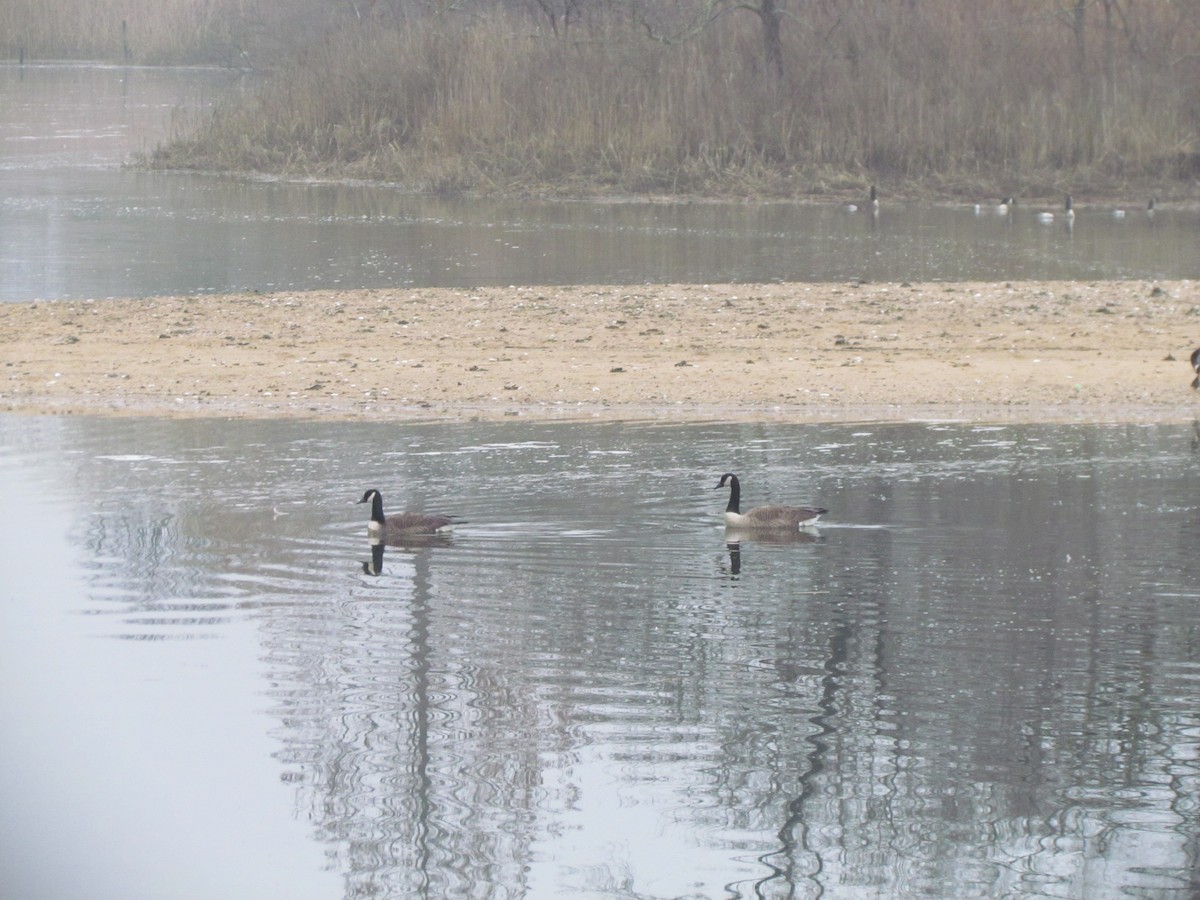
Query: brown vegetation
[
  {"x": 149, "y": 32},
  {"x": 707, "y": 96}
]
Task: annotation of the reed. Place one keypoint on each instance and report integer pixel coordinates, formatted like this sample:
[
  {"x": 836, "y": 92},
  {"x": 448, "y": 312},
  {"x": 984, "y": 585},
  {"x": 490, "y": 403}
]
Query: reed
[
  {"x": 152, "y": 32},
  {"x": 136, "y": 31},
  {"x": 991, "y": 96}
]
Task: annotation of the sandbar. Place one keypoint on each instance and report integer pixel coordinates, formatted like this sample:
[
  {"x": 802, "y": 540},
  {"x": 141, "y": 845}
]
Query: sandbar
[{"x": 1105, "y": 351}]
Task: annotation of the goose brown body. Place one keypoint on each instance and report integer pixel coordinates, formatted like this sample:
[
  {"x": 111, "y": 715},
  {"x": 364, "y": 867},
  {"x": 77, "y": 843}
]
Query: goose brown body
[
  {"x": 777, "y": 517},
  {"x": 405, "y": 523}
]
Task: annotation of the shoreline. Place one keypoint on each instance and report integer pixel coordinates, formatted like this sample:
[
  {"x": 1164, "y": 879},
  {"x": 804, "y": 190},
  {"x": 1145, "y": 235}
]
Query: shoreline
[{"x": 1088, "y": 352}]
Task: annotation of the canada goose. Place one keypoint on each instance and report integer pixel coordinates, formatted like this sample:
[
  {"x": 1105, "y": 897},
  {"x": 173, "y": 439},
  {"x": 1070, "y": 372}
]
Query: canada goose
[
  {"x": 872, "y": 204},
  {"x": 790, "y": 517},
  {"x": 1196, "y": 366},
  {"x": 1150, "y": 207},
  {"x": 1046, "y": 217},
  {"x": 1003, "y": 208},
  {"x": 407, "y": 523}
]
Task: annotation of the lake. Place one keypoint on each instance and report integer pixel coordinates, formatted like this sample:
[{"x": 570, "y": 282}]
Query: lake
[
  {"x": 978, "y": 677},
  {"x": 75, "y": 224}
]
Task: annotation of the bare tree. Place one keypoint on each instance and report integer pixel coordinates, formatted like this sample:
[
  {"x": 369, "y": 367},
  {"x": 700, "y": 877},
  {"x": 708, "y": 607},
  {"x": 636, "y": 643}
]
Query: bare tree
[
  {"x": 561, "y": 14},
  {"x": 769, "y": 12},
  {"x": 1079, "y": 27}
]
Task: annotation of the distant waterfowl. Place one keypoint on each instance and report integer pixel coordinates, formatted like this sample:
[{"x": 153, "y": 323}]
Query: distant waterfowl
[
  {"x": 1118, "y": 213},
  {"x": 1150, "y": 207},
  {"x": 780, "y": 517},
  {"x": 872, "y": 203},
  {"x": 1046, "y": 217},
  {"x": 403, "y": 524},
  {"x": 1196, "y": 366},
  {"x": 1003, "y": 208}
]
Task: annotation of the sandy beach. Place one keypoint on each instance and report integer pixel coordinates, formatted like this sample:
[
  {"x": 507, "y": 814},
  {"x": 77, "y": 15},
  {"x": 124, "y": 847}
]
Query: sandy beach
[{"x": 1028, "y": 351}]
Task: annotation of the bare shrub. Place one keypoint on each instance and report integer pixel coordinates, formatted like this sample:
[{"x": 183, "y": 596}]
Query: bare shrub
[{"x": 945, "y": 92}]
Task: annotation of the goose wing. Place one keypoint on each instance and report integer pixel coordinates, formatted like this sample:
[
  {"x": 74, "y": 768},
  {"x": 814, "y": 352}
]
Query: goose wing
[
  {"x": 783, "y": 516},
  {"x": 418, "y": 523}
]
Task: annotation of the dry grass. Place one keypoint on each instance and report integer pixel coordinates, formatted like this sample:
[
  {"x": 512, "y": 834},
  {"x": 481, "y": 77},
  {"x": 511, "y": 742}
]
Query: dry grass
[
  {"x": 961, "y": 97},
  {"x": 135, "y": 31}
]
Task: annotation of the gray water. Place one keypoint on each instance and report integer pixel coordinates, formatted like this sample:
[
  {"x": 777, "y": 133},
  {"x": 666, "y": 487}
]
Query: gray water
[
  {"x": 75, "y": 224},
  {"x": 979, "y": 677}
]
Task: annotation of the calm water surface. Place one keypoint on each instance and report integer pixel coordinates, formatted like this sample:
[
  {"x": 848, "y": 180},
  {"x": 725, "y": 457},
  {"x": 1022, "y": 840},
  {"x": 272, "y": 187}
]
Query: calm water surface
[
  {"x": 980, "y": 678},
  {"x": 75, "y": 224}
]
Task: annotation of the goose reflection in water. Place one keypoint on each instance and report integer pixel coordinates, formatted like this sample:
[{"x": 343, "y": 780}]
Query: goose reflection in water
[
  {"x": 734, "y": 538},
  {"x": 375, "y": 565},
  {"x": 411, "y": 542}
]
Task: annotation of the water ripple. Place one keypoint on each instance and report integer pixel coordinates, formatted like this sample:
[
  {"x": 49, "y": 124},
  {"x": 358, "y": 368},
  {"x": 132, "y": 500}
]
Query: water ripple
[{"x": 983, "y": 672}]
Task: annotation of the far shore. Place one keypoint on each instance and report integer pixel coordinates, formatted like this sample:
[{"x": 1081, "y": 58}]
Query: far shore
[{"x": 1108, "y": 351}]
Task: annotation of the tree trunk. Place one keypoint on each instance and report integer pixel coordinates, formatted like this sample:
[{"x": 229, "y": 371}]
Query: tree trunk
[
  {"x": 1078, "y": 26},
  {"x": 770, "y": 15}
]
